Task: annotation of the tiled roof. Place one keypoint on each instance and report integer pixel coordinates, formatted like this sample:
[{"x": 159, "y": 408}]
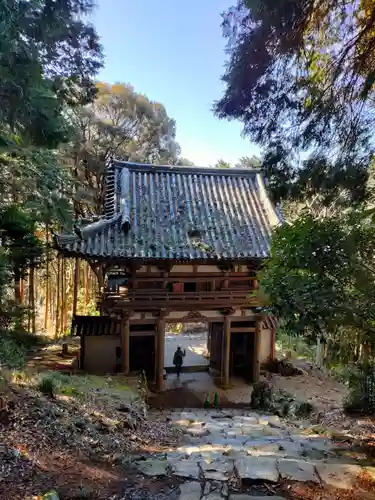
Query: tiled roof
[{"x": 182, "y": 213}]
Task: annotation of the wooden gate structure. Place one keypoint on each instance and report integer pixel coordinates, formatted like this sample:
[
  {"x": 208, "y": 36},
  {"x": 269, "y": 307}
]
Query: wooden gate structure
[{"x": 176, "y": 244}]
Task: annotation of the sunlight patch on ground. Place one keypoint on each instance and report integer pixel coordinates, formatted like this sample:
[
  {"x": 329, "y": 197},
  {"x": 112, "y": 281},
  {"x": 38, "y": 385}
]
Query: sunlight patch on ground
[{"x": 201, "y": 349}]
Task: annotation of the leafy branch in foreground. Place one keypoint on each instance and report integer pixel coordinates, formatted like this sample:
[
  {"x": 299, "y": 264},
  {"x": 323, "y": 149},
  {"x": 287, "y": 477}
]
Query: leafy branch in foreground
[
  {"x": 320, "y": 277},
  {"x": 300, "y": 78}
]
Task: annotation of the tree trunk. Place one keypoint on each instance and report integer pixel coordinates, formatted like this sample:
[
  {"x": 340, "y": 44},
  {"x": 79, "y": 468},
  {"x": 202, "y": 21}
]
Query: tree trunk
[
  {"x": 22, "y": 291},
  {"x": 32, "y": 298},
  {"x": 86, "y": 284},
  {"x": 63, "y": 296},
  {"x": 319, "y": 352},
  {"x": 75, "y": 286},
  {"x": 366, "y": 351},
  {"x": 47, "y": 291},
  {"x": 57, "y": 308},
  {"x": 17, "y": 287},
  {"x": 67, "y": 278}
]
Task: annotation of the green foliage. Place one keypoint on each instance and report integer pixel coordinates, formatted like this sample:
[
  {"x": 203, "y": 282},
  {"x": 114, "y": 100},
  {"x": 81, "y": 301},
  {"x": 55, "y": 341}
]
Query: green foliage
[
  {"x": 12, "y": 353},
  {"x": 300, "y": 78},
  {"x": 320, "y": 278},
  {"x": 222, "y": 164},
  {"x": 15, "y": 345},
  {"x": 122, "y": 123},
  {"x": 264, "y": 397},
  {"x": 47, "y": 386},
  {"x": 249, "y": 162},
  {"x": 303, "y": 409},
  {"x": 22, "y": 247},
  {"x": 49, "y": 56},
  {"x": 297, "y": 345},
  {"x": 361, "y": 382},
  {"x": 184, "y": 162}
]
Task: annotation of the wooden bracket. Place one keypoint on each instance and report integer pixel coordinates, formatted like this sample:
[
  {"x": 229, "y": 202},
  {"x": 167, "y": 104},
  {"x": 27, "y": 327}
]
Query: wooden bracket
[
  {"x": 126, "y": 314},
  {"x": 162, "y": 313},
  {"x": 227, "y": 311},
  {"x": 165, "y": 267},
  {"x": 193, "y": 316},
  {"x": 97, "y": 268}
]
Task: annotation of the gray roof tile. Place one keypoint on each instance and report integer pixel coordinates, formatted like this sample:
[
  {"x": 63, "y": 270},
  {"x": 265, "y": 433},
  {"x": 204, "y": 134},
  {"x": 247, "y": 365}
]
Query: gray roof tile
[{"x": 183, "y": 213}]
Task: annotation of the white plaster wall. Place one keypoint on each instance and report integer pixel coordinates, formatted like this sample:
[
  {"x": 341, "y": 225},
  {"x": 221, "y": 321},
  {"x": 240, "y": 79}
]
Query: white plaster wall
[
  {"x": 144, "y": 269},
  {"x": 178, "y": 268},
  {"x": 265, "y": 345},
  {"x": 100, "y": 353},
  {"x": 208, "y": 269}
]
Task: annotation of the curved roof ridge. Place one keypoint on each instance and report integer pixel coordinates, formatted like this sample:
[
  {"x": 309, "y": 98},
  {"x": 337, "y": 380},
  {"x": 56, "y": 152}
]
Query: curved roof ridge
[{"x": 149, "y": 167}]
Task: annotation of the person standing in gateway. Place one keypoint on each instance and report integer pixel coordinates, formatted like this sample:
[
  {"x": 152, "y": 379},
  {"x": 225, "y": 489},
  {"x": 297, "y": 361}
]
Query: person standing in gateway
[{"x": 178, "y": 360}]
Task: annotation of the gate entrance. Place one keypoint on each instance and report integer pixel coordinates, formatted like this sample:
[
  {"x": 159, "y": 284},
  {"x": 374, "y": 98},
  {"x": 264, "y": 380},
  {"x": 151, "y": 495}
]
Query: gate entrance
[{"x": 193, "y": 340}]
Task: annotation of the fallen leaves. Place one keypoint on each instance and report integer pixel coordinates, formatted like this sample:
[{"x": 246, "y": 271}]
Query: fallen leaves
[{"x": 45, "y": 439}]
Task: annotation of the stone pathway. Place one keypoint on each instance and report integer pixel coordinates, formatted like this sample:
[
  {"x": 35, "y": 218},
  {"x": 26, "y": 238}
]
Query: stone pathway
[{"x": 226, "y": 451}]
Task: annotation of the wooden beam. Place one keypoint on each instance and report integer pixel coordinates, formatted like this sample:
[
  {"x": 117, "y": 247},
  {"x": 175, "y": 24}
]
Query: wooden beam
[
  {"x": 226, "y": 353},
  {"x": 257, "y": 339},
  {"x": 126, "y": 346},
  {"x": 243, "y": 329},
  {"x": 193, "y": 277}
]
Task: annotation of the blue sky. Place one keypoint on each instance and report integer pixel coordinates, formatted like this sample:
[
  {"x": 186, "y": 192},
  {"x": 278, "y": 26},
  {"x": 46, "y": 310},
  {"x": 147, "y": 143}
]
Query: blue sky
[{"x": 172, "y": 51}]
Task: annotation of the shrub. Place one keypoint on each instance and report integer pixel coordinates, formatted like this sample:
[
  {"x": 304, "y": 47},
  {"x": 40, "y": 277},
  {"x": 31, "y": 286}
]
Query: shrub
[
  {"x": 361, "y": 382},
  {"x": 47, "y": 386},
  {"x": 265, "y": 398},
  {"x": 262, "y": 396},
  {"x": 303, "y": 409},
  {"x": 15, "y": 345}
]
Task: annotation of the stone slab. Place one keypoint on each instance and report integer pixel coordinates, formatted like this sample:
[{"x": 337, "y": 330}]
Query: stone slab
[
  {"x": 297, "y": 470},
  {"x": 197, "y": 431},
  {"x": 190, "y": 491},
  {"x": 218, "y": 470},
  {"x": 290, "y": 449},
  {"x": 176, "y": 456},
  {"x": 153, "y": 467},
  {"x": 262, "y": 449},
  {"x": 246, "y": 420},
  {"x": 273, "y": 420},
  {"x": 208, "y": 456},
  {"x": 257, "y": 468},
  {"x": 186, "y": 468},
  {"x": 342, "y": 476},
  {"x": 224, "y": 442},
  {"x": 213, "y": 496}
]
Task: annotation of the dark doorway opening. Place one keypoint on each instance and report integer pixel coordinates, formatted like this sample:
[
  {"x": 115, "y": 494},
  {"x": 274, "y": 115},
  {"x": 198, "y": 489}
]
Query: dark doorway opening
[{"x": 242, "y": 347}]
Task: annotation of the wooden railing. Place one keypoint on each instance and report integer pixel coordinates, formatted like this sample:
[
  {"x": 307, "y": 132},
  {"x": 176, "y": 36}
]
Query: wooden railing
[{"x": 155, "y": 299}]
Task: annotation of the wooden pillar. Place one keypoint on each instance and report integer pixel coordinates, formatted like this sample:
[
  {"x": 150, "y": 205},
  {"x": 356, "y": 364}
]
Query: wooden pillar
[
  {"x": 160, "y": 346},
  {"x": 273, "y": 342},
  {"x": 256, "y": 363},
  {"x": 126, "y": 345},
  {"x": 226, "y": 281},
  {"x": 226, "y": 353},
  {"x": 209, "y": 335}
]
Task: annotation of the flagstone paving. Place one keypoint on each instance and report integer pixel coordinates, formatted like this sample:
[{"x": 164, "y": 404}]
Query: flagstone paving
[{"x": 222, "y": 447}]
